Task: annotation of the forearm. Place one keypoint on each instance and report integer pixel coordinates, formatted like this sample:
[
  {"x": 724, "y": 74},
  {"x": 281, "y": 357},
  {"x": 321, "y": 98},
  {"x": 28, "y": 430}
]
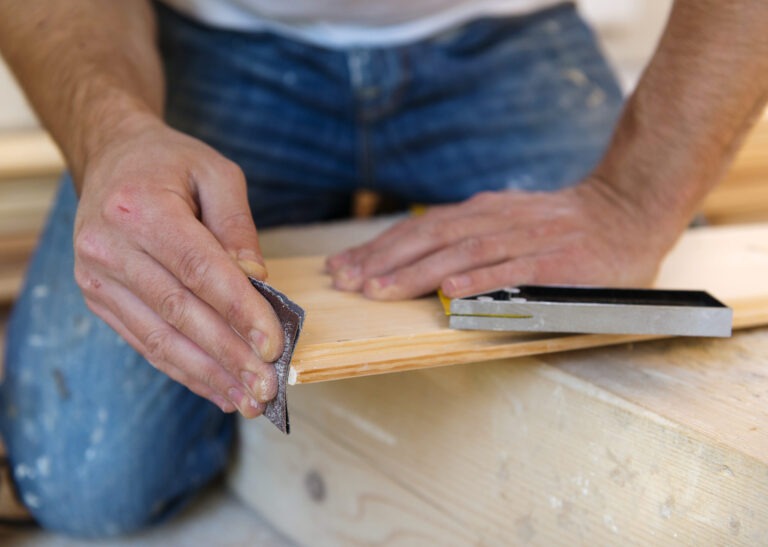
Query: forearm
[
  {"x": 90, "y": 68},
  {"x": 703, "y": 89}
]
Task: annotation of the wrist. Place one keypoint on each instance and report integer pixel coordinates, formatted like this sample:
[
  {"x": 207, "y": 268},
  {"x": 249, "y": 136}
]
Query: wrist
[
  {"x": 645, "y": 220},
  {"x": 113, "y": 121}
]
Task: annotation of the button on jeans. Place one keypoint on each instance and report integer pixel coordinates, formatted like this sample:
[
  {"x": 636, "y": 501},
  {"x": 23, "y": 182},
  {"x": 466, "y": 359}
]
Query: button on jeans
[{"x": 101, "y": 443}]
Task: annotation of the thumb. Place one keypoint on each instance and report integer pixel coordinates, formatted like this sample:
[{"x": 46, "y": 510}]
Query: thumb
[{"x": 225, "y": 212}]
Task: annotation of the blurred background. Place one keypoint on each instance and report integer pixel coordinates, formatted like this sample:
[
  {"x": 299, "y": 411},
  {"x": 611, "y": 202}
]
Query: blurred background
[
  {"x": 30, "y": 166},
  {"x": 629, "y": 30}
]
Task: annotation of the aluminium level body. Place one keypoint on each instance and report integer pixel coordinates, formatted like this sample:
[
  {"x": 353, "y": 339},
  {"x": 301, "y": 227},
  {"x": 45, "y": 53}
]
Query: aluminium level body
[{"x": 541, "y": 308}]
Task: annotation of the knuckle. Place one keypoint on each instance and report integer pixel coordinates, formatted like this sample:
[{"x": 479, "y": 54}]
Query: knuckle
[
  {"x": 446, "y": 231},
  {"x": 173, "y": 307},
  {"x": 157, "y": 343},
  {"x": 473, "y": 247},
  {"x": 241, "y": 220},
  {"x": 91, "y": 248},
  {"x": 234, "y": 313},
  {"x": 193, "y": 269},
  {"x": 207, "y": 376},
  {"x": 429, "y": 231},
  {"x": 484, "y": 198},
  {"x": 120, "y": 208},
  {"x": 230, "y": 170}
]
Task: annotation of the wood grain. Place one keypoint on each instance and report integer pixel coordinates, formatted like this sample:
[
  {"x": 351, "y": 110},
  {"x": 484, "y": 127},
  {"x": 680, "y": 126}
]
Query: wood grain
[
  {"x": 659, "y": 444},
  {"x": 346, "y": 335}
]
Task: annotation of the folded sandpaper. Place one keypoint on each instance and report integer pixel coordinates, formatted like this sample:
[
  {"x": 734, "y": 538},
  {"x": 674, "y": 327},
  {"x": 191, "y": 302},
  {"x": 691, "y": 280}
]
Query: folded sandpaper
[{"x": 291, "y": 317}]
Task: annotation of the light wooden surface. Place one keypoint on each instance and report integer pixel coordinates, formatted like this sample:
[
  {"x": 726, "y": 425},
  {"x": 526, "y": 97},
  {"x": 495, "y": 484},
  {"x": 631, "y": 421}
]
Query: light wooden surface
[
  {"x": 658, "y": 443},
  {"x": 346, "y": 335}
]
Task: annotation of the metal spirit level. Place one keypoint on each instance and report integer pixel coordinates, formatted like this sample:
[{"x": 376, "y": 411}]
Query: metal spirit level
[{"x": 592, "y": 310}]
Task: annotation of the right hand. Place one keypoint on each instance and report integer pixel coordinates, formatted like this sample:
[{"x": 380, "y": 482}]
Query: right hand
[{"x": 163, "y": 234}]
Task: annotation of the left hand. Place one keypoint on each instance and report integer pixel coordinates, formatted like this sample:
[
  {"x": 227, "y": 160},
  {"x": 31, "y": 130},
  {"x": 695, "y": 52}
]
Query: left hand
[{"x": 583, "y": 235}]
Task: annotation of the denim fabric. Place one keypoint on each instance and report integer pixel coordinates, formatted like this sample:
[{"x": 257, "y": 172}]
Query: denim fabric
[
  {"x": 524, "y": 102},
  {"x": 102, "y": 443}
]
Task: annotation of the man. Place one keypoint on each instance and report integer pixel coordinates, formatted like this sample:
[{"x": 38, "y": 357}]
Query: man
[{"x": 184, "y": 123}]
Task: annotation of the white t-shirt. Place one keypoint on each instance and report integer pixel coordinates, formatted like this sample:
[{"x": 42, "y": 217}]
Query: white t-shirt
[{"x": 345, "y": 23}]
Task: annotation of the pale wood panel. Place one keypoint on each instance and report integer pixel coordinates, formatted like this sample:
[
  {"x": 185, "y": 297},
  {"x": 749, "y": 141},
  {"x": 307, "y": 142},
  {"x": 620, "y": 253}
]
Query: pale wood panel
[
  {"x": 716, "y": 387},
  {"x": 357, "y": 506},
  {"x": 523, "y": 452},
  {"x": 346, "y": 335}
]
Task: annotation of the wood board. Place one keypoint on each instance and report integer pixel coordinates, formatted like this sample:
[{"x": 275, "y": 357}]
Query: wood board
[
  {"x": 346, "y": 336},
  {"x": 663, "y": 444}
]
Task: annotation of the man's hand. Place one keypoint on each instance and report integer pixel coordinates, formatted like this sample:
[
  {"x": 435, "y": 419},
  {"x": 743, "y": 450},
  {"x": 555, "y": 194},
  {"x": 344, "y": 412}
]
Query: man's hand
[
  {"x": 704, "y": 87},
  {"x": 162, "y": 226},
  {"x": 580, "y": 235}
]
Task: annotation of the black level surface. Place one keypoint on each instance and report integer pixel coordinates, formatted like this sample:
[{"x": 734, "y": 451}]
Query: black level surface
[{"x": 590, "y": 295}]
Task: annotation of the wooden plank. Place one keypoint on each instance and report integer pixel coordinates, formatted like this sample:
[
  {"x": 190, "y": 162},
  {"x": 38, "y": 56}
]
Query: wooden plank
[
  {"x": 357, "y": 510},
  {"x": 346, "y": 335},
  {"x": 524, "y": 451}
]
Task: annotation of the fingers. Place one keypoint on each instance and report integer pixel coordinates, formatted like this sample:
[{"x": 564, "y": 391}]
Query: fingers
[
  {"x": 452, "y": 262},
  {"x": 199, "y": 322},
  {"x": 422, "y": 239},
  {"x": 386, "y": 239},
  {"x": 195, "y": 386},
  {"x": 470, "y": 247},
  {"x": 511, "y": 272},
  {"x": 195, "y": 258},
  {"x": 167, "y": 350},
  {"x": 225, "y": 212}
]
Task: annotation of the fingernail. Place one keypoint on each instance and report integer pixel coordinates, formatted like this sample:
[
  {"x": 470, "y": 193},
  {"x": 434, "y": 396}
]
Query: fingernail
[
  {"x": 350, "y": 273},
  {"x": 268, "y": 389},
  {"x": 248, "y": 406},
  {"x": 378, "y": 283},
  {"x": 458, "y": 283},
  {"x": 337, "y": 261},
  {"x": 348, "y": 278},
  {"x": 258, "y": 407},
  {"x": 237, "y": 397},
  {"x": 252, "y": 383},
  {"x": 223, "y": 404},
  {"x": 261, "y": 344},
  {"x": 253, "y": 269}
]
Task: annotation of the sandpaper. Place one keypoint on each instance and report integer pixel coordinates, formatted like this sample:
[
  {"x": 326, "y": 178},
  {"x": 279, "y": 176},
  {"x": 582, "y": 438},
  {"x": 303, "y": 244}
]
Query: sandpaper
[{"x": 291, "y": 317}]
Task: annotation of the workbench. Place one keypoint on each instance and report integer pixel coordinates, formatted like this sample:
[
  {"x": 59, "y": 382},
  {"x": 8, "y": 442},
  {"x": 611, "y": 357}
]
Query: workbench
[{"x": 653, "y": 443}]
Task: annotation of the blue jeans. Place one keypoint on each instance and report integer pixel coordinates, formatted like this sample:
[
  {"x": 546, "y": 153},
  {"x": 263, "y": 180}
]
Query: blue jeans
[{"x": 101, "y": 443}]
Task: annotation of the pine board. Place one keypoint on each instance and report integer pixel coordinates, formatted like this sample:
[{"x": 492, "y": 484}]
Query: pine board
[{"x": 346, "y": 336}]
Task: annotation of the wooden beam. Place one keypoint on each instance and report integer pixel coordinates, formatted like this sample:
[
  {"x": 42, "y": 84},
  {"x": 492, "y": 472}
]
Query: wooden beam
[{"x": 663, "y": 444}]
